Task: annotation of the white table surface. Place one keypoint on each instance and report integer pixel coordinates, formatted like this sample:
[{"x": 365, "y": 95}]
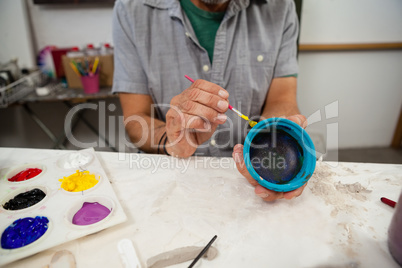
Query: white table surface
[{"x": 170, "y": 206}]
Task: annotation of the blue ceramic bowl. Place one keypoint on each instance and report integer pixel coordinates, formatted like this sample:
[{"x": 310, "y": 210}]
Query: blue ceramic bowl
[{"x": 279, "y": 154}]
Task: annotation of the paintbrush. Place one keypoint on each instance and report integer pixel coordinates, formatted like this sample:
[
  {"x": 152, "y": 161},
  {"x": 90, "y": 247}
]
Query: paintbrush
[
  {"x": 202, "y": 252},
  {"x": 250, "y": 122}
]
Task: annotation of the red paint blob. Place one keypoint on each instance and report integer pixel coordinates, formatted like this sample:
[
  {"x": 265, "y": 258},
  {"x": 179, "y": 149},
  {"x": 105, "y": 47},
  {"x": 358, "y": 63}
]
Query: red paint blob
[{"x": 25, "y": 175}]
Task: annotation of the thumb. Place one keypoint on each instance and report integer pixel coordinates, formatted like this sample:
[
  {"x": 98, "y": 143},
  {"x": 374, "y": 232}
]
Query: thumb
[{"x": 241, "y": 165}]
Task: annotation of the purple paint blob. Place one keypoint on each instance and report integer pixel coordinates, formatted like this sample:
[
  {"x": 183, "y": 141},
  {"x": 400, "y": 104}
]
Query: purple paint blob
[
  {"x": 90, "y": 213},
  {"x": 23, "y": 232}
]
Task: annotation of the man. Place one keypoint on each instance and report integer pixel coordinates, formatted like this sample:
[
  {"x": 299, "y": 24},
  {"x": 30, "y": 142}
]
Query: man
[{"x": 242, "y": 52}]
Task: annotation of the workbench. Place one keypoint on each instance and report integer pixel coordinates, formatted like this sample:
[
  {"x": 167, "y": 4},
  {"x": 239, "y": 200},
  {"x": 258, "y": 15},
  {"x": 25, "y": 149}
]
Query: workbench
[{"x": 171, "y": 203}]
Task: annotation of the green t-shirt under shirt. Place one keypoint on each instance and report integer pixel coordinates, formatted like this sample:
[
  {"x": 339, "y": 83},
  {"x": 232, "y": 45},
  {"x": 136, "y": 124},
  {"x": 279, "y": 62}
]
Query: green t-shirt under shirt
[{"x": 205, "y": 25}]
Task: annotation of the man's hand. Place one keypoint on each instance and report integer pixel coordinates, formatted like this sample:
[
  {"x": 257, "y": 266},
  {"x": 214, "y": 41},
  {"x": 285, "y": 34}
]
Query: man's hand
[
  {"x": 194, "y": 116},
  {"x": 264, "y": 193}
]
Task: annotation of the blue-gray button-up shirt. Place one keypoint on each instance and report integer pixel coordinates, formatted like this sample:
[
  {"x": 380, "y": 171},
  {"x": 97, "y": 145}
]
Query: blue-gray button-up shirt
[{"x": 155, "y": 46}]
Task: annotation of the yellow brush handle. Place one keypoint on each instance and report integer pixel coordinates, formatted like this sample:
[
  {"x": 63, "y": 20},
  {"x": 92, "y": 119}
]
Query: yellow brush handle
[
  {"x": 245, "y": 117},
  {"x": 251, "y": 123}
]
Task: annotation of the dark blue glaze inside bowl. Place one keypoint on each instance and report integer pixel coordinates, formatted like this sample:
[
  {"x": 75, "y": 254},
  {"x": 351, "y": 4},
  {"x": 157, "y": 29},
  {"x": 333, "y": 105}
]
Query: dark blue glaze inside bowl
[{"x": 276, "y": 156}]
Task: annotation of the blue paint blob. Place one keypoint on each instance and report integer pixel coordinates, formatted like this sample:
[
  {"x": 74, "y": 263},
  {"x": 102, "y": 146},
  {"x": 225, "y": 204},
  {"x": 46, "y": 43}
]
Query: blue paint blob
[
  {"x": 276, "y": 156},
  {"x": 23, "y": 232}
]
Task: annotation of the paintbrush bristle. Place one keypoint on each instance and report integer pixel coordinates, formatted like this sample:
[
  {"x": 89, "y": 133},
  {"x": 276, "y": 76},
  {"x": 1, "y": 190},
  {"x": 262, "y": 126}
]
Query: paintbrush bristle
[{"x": 252, "y": 123}]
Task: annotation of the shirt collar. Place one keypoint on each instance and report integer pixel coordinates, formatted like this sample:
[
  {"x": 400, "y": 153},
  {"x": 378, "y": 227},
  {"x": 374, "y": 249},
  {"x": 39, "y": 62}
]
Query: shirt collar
[
  {"x": 235, "y": 5},
  {"x": 175, "y": 9},
  {"x": 162, "y": 4}
]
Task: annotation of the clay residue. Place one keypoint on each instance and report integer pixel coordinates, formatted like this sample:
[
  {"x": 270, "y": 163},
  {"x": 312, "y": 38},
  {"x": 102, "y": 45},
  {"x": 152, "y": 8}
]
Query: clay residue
[
  {"x": 350, "y": 239},
  {"x": 323, "y": 171},
  {"x": 179, "y": 255},
  {"x": 356, "y": 190},
  {"x": 348, "y": 170},
  {"x": 352, "y": 264},
  {"x": 392, "y": 182},
  {"x": 338, "y": 195},
  {"x": 333, "y": 193}
]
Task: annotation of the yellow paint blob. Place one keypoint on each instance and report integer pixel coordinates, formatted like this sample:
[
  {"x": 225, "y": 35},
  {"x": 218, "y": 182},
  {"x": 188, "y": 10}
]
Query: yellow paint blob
[{"x": 79, "y": 181}]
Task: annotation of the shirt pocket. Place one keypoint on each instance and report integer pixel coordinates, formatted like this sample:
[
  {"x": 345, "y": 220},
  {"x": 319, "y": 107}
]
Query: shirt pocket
[
  {"x": 255, "y": 73},
  {"x": 262, "y": 65}
]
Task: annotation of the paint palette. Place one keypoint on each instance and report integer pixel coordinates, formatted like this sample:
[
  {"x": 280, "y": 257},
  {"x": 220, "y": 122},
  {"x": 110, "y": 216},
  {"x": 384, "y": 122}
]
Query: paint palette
[{"x": 38, "y": 213}]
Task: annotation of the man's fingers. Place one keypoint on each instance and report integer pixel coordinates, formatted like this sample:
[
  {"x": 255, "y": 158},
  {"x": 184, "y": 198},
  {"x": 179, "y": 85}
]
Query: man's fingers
[
  {"x": 298, "y": 119},
  {"x": 262, "y": 192},
  {"x": 208, "y": 99},
  {"x": 183, "y": 121},
  {"x": 197, "y": 109},
  {"x": 267, "y": 195},
  {"x": 241, "y": 166},
  {"x": 203, "y": 99},
  {"x": 210, "y": 87},
  {"x": 196, "y": 123},
  {"x": 294, "y": 193}
]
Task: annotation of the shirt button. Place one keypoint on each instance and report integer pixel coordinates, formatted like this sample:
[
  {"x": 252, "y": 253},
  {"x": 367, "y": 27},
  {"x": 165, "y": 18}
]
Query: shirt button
[
  {"x": 213, "y": 142},
  {"x": 205, "y": 68},
  {"x": 260, "y": 58},
  {"x": 187, "y": 34}
]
